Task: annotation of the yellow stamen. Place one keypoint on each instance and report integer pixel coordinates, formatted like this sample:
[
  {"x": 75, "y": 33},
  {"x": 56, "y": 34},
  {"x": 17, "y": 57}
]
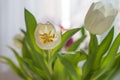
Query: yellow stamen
[{"x": 47, "y": 37}]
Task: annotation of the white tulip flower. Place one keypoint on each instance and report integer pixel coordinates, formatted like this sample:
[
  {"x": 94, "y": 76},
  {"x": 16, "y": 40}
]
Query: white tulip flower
[
  {"x": 47, "y": 37},
  {"x": 100, "y": 17}
]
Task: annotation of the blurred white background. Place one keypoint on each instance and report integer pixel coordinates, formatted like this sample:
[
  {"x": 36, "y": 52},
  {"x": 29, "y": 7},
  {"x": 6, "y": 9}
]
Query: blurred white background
[{"x": 68, "y": 13}]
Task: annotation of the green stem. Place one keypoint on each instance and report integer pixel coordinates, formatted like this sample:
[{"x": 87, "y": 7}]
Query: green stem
[{"x": 49, "y": 62}]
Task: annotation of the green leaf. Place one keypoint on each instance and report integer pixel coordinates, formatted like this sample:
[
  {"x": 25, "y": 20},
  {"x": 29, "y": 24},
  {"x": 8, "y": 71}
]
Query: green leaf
[
  {"x": 113, "y": 50},
  {"x": 79, "y": 72},
  {"x": 95, "y": 54},
  {"x": 25, "y": 50},
  {"x": 30, "y": 24},
  {"x": 75, "y": 45},
  {"x": 34, "y": 70},
  {"x": 75, "y": 57},
  {"x": 83, "y": 31},
  {"x": 65, "y": 37},
  {"x": 14, "y": 67},
  {"x": 37, "y": 58},
  {"x": 103, "y": 48},
  {"x": 87, "y": 67},
  {"x": 109, "y": 71},
  {"x": 30, "y": 27},
  {"x": 59, "y": 71},
  {"x": 69, "y": 67},
  {"x": 20, "y": 61},
  {"x": 115, "y": 70},
  {"x": 112, "y": 73},
  {"x": 109, "y": 62},
  {"x": 18, "y": 57}
]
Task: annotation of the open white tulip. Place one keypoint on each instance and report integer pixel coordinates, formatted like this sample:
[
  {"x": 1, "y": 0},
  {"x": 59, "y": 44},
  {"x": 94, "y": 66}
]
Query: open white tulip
[
  {"x": 46, "y": 36},
  {"x": 100, "y": 17}
]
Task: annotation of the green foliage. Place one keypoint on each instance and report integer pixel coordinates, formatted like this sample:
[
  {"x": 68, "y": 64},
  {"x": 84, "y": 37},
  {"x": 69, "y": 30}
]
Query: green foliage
[
  {"x": 65, "y": 37},
  {"x": 74, "y": 46},
  {"x": 60, "y": 73},
  {"x": 75, "y": 57},
  {"x": 30, "y": 27},
  {"x": 102, "y": 60}
]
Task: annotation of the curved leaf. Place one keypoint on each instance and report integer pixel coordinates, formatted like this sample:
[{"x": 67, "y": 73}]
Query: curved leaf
[
  {"x": 30, "y": 27},
  {"x": 65, "y": 38},
  {"x": 103, "y": 48},
  {"x": 113, "y": 50},
  {"x": 75, "y": 45},
  {"x": 69, "y": 67},
  {"x": 59, "y": 71},
  {"x": 14, "y": 67},
  {"x": 75, "y": 57}
]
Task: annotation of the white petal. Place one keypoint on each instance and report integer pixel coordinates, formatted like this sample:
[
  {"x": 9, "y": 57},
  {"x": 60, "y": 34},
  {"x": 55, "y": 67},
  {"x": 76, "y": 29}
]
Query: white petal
[
  {"x": 99, "y": 17},
  {"x": 48, "y": 29}
]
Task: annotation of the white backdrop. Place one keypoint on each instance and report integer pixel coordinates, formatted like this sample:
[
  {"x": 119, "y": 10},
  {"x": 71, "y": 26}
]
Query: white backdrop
[
  {"x": 11, "y": 20},
  {"x": 12, "y": 17}
]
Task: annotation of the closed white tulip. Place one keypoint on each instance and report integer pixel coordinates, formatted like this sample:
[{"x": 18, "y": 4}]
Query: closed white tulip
[
  {"x": 100, "y": 17},
  {"x": 46, "y": 36}
]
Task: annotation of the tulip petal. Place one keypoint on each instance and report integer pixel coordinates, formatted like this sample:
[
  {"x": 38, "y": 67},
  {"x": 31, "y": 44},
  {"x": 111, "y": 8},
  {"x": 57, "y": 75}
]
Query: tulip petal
[
  {"x": 46, "y": 36},
  {"x": 100, "y": 17}
]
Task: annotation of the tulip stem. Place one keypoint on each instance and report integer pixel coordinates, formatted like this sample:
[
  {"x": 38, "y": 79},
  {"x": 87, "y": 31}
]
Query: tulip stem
[{"x": 49, "y": 62}]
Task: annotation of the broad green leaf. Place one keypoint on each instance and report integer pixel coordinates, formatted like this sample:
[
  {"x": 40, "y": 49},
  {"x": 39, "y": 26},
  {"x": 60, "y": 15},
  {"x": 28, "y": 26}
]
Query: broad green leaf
[
  {"x": 37, "y": 58},
  {"x": 14, "y": 67},
  {"x": 96, "y": 52},
  {"x": 39, "y": 73},
  {"x": 34, "y": 70},
  {"x": 59, "y": 71},
  {"x": 112, "y": 73},
  {"x": 25, "y": 51},
  {"x": 87, "y": 67},
  {"x": 20, "y": 61},
  {"x": 109, "y": 71},
  {"x": 34, "y": 76},
  {"x": 69, "y": 67},
  {"x": 30, "y": 27},
  {"x": 95, "y": 58},
  {"x": 110, "y": 60},
  {"x": 75, "y": 57},
  {"x": 74, "y": 46},
  {"x": 30, "y": 65},
  {"x": 65, "y": 38},
  {"x": 79, "y": 72},
  {"x": 113, "y": 50},
  {"x": 18, "y": 57},
  {"x": 116, "y": 67},
  {"x": 103, "y": 48},
  {"x": 28, "y": 70}
]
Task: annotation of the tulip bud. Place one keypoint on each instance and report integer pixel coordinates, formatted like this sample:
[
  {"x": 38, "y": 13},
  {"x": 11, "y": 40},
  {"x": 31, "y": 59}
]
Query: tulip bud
[
  {"x": 100, "y": 17},
  {"x": 16, "y": 40},
  {"x": 46, "y": 36}
]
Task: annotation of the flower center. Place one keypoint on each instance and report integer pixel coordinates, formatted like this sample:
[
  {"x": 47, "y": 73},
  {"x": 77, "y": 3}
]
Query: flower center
[{"x": 47, "y": 37}]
